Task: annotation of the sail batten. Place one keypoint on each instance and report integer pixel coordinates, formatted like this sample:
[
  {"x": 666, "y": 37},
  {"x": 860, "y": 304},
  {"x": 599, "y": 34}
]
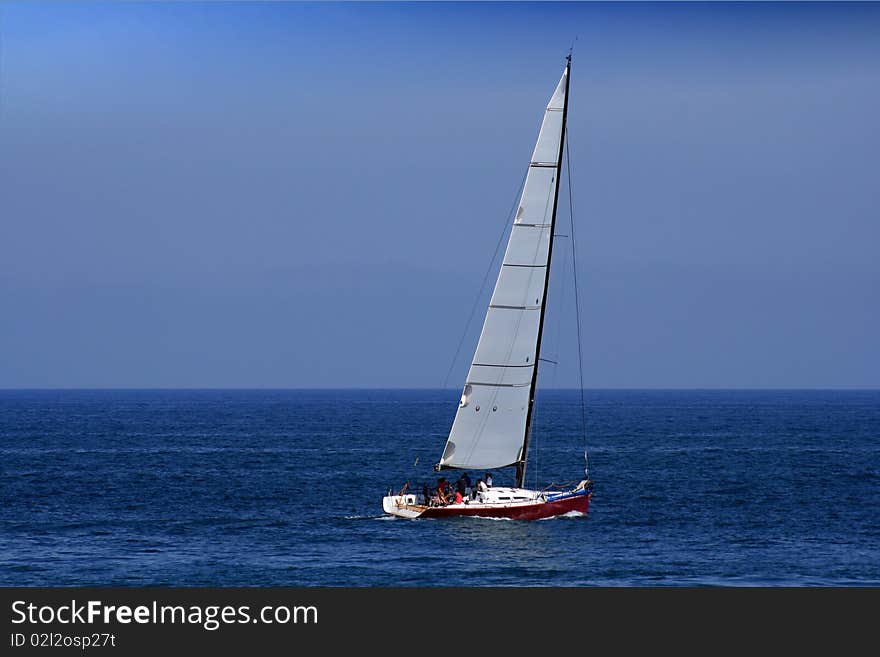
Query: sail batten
[{"x": 491, "y": 425}]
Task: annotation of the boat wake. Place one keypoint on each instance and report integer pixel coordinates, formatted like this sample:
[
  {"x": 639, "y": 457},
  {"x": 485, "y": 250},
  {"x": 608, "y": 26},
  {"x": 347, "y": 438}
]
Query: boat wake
[{"x": 570, "y": 514}]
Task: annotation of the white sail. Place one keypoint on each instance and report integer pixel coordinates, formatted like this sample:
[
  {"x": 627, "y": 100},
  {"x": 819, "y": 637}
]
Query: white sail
[{"x": 490, "y": 425}]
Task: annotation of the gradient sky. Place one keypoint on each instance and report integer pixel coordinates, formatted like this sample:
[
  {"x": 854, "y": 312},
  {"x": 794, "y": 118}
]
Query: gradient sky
[{"x": 309, "y": 195}]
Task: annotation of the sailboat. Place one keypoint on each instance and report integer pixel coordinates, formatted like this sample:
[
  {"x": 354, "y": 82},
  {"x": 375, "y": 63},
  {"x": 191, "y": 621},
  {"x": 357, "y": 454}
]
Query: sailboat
[{"x": 494, "y": 417}]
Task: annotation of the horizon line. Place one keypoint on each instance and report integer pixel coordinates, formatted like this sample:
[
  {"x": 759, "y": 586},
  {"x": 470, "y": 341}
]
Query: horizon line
[{"x": 422, "y": 388}]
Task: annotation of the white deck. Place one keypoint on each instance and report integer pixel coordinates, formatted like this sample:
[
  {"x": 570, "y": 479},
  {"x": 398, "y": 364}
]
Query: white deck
[{"x": 413, "y": 504}]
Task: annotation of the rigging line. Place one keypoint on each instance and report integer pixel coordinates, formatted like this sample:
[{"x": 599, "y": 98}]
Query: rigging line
[
  {"x": 561, "y": 292},
  {"x": 577, "y": 309},
  {"x": 485, "y": 278},
  {"x": 535, "y": 436},
  {"x": 556, "y": 329},
  {"x": 555, "y": 370}
]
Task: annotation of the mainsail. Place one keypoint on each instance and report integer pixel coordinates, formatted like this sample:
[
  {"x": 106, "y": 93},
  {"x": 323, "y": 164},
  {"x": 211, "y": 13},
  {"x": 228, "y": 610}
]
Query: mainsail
[{"x": 491, "y": 425}]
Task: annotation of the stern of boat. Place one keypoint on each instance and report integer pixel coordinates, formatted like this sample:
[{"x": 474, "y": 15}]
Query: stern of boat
[{"x": 402, "y": 506}]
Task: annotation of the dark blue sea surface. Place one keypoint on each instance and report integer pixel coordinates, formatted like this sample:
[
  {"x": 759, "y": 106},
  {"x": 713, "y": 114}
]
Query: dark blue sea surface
[{"x": 734, "y": 488}]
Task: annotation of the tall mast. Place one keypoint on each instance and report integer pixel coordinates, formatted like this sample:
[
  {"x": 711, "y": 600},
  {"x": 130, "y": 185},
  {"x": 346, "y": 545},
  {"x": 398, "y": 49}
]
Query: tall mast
[{"x": 521, "y": 465}]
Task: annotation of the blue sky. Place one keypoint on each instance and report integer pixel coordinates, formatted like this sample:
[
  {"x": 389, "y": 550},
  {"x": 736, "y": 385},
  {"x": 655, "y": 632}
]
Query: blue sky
[{"x": 309, "y": 195}]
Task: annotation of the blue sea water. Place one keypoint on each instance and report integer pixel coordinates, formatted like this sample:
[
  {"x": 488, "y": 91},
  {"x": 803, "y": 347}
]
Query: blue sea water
[{"x": 735, "y": 488}]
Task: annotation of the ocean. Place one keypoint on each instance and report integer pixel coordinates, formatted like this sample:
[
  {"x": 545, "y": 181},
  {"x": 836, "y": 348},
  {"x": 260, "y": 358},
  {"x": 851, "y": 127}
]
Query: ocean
[{"x": 284, "y": 487}]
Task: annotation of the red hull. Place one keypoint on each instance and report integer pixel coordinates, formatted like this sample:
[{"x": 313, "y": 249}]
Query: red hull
[{"x": 534, "y": 511}]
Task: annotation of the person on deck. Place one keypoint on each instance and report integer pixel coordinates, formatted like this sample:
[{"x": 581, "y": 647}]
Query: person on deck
[
  {"x": 481, "y": 490},
  {"x": 489, "y": 480},
  {"x": 442, "y": 491},
  {"x": 458, "y": 499},
  {"x": 466, "y": 484}
]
